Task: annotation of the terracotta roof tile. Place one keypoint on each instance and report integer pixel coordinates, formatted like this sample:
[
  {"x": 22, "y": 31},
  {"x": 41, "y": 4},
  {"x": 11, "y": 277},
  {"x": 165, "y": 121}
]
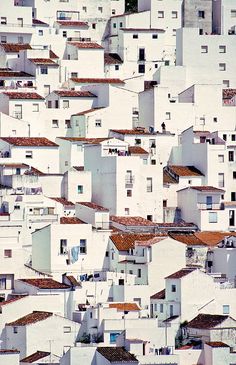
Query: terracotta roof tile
[
  {"x": 43, "y": 61},
  {"x": 12, "y": 300},
  {"x": 160, "y": 295},
  {"x": 94, "y": 206},
  {"x": 45, "y": 283},
  {"x": 85, "y": 140},
  {"x": 117, "y": 354},
  {"x": 30, "y": 318},
  {"x": 72, "y": 280},
  {"x": 29, "y": 141},
  {"x": 112, "y": 59},
  {"x": 228, "y": 93},
  {"x": 35, "y": 357},
  {"x": 184, "y": 170},
  {"x": 78, "y": 168},
  {"x": 168, "y": 179},
  {"x": 207, "y": 188},
  {"x": 132, "y": 221},
  {"x": 126, "y": 241},
  {"x": 188, "y": 238},
  {"x": 96, "y": 80},
  {"x": 63, "y": 201},
  {"x": 216, "y": 344},
  {"x": 23, "y": 95},
  {"x": 9, "y": 351},
  {"x": 181, "y": 273},
  {"x": 143, "y": 30},
  {"x": 88, "y": 111},
  {"x": 70, "y": 220},
  {"x": 136, "y": 150},
  {"x": 71, "y": 23},
  {"x": 125, "y": 306},
  {"x": 52, "y": 55},
  {"x": 137, "y": 131},
  {"x": 207, "y": 321},
  {"x": 73, "y": 93},
  {"x": 38, "y": 22},
  {"x": 203, "y": 238},
  {"x": 15, "y": 74},
  {"x": 14, "y": 47},
  {"x": 87, "y": 45},
  {"x": 33, "y": 171}
]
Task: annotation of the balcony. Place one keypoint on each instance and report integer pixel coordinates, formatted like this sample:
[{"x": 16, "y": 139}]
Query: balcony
[
  {"x": 79, "y": 39},
  {"x": 213, "y": 206}
]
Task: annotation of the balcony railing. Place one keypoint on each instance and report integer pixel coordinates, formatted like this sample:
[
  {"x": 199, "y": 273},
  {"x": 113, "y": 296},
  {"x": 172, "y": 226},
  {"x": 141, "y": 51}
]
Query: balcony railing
[
  {"x": 129, "y": 180},
  {"x": 216, "y": 206}
]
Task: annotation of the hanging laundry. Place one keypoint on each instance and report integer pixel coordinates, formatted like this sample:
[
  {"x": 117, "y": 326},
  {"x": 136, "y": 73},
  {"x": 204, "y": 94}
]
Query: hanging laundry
[{"x": 74, "y": 254}]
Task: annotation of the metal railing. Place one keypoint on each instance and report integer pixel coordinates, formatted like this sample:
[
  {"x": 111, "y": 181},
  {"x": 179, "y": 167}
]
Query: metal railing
[{"x": 216, "y": 206}]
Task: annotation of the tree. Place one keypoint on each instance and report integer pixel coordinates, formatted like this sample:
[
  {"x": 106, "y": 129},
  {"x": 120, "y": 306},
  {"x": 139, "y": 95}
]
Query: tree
[{"x": 131, "y": 6}]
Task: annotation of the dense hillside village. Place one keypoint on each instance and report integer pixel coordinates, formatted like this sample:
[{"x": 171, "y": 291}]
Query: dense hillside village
[{"x": 117, "y": 182}]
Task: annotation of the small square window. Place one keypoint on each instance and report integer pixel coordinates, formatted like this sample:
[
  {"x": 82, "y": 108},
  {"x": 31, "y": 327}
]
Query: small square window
[
  {"x": 113, "y": 11},
  {"x": 204, "y": 49},
  {"x": 98, "y": 123},
  {"x": 67, "y": 123},
  {"x": 74, "y": 74},
  {"x": 64, "y": 34},
  {"x": 225, "y": 83},
  {"x": 129, "y": 193},
  {"x": 114, "y": 26},
  {"x": 168, "y": 115},
  {"x": 44, "y": 70},
  {"x": 201, "y": 14},
  {"x": 121, "y": 24},
  {"x": 220, "y": 158},
  {"x": 126, "y": 211},
  {"x": 28, "y": 154},
  {"x": 173, "y": 288},
  {"x": 35, "y": 107},
  {"x": 55, "y": 123},
  {"x": 234, "y": 174},
  {"x": 15, "y": 329},
  {"x": 80, "y": 189},
  {"x": 233, "y": 13},
  {"x": 100, "y": 9},
  {"x": 84, "y": 8},
  {"x": 40, "y": 32},
  {"x": 215, "y": 119},
  {"x": 222, "y": 49},
  {"x": 222, "y": 66},
  {"x": 7, "y": 253},
  {"x": 117, "y": 67},
  {"x": 66, "y": 104},
  {"x": 174, "y": 14},
  {"x": 154, "y": 36},
  {"x": 135, "y": 36},
  {"x": 174, "y": 32},
  {"x": 233, "y": 137},
  {"x": 83, "y": 246},
  {"x": 141, "y": 69},
  {"x": 94, "y": 26},
  {"x": 160, "y": 14},
  {"x": 225, "y": 309},
  {"x": 3, "y": 39},
  {"x": 67, "y": 329},
  {"x": 212, "y": 217}
]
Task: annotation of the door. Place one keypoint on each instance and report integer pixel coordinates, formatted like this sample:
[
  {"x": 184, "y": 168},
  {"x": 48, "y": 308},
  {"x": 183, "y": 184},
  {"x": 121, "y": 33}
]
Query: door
[
  {"x": 20, "y": 22},
  {"x": 209, "y": 202},
  {"x": 141, "y": 54},
  {"x": 171, "y": 310}
]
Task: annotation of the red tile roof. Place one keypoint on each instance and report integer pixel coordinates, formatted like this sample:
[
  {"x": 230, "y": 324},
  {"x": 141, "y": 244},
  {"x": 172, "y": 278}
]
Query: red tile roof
[
  {"x": 184, "y": 170},
  {"x": 73, "y": 94},
  {"x": 207, "y": 188},
  {"x": 125, "y": 306},
  {"x": 52, "y": 54},
  {"x": 160, "y": 295},
  {"x": 126, "y": 241},
  {"x": 15, "y": 74},
  {"x": 30, "y": 318},
  {"x": 45, "y": 283},
  {"x": 117, "y": 354},
  {"x": 29, "y": 141},
  {"x": 94, "y": 206},
  {"x": 96, "y": 81},
  {"x": 143, "y": 30},
  {"x": 43, "y": 61},
  {"x": 168, "y": 179},
  {"x": 63, "y": 201},
  {"x": 87, "y": 45},
  {"x": 72, "y": 280},
  {"x": 203, "y": 238},
  {"x": 38, "y": 22},
  {"x": 188, "y": 238},
  {"x": 136, "y": 150},
  {"x": 35, "y": 357},
  {"x": 85, "y": 140},
  {"x": 9, "y": 351},
  {"x": 72, "y": 23},
  {"x": 78, "y": 168},
  {"x": 207, "y": 321},
  {"x": 88, "y": 111},
  {"x": 132, "y": 221},
  {"x": 112, "y": 59},
  {"x": 228, "y": 93},
  {"x": 23, "y": 95},
  {"x": 216, "y": 344},
  {"x": 70, "y": 220},
  {"x": 181, "y": 273},
  {"x": 131, "y": 131},
  {"x": 12, "y": 300},
  {"x": 14, "y": 47}
]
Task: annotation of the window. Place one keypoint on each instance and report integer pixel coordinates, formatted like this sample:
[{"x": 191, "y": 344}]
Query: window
[
  {"x": 224, "y": 137},
  {"x": 100, "y": 9},
  {"x": 20, "y": 40},
  {"x": 231, "y": 156},
  {"x": 225, "y": 83},
  {"x": 113, "y": 11},
  {"x": 233, "y": 196},
  {"x": 232, "y": 218},
  {"x": 3, "y": 20},
  {"x": 44, "y": 70},
  {"x": 173, "y": 288},
  {"x": 83, "y": 246},
  {"x": 66, "y": 329},
  {"x": 141, "y": 54},
  {"x": 15, "y": 329},
  {"x": 153, "y": 162},
  {"x": 234, "y": 174},
  {"x": 126, "y": 211},
  {"x": 66, "y": 163},
  {"x": 16, "y": 207},
  {"x": 80, "y": 189},
  {"x": 130, "y": 272},
  {"x": 174, "y": 32},
  {"x": 154, "y": 36},
  {"x": 160, "y": 14},
  {"x": 113, "y": 337},
  {"x": 67, "y": 123},
  {"x": 149, "y": 217},
  {"x": 84, "y": 8},
  {"x": 221, "y": 178},
  {"x": 145, "y": 161},
  {"x": 94, "y": 26},
  {"x": 233, "y": 13},
  {"x": 174, "y": 14},
  {"x": 3, "y": 283},
  {"x": 40, "y": 32},
  {"x": 64, "y": 34},
  {"x": 135, "y": 36},
  {"x": 129, "y": 193},
  {"x": 215, "y": 119},
  {"x": 56, "y": 104},
  {"x": 28, "y": 154},
  {"x": 212, "y": 217},
  {"x": 225, "y": 309},
  {"x": 121, "y": 24},
  {"x": 139, "y": 273},
  {"x": 117, "y": 67},
  {"x": 91, "y": 315},
  {"x": 141, "y": 69},
  {"x": 18, "y": 111},
  {"x": 55, "y": 123},
  {"x": 63, "y": 247},
  {"x": 204, "y": 49},
  {"x": 98, "y": 123},
  {"x": 35, "y": 107},
  {"x": 66, "y": 104},
  {"x": 222, "y": 49},
  {"x": 149, "y": 184},
  {"x": 233, "y": 137},
  {"x": 222, "y": 66},
  {"x": 201, "y": 14},
  {"x": 114, "y": 26},
  {"x": 7, "y": 253},
  {"x": 3, "y": 39},
  {"x": 74, "y": 74},
  {"x": 221, "y": 158},
  {"x": 161, "y": 308},
  {"x": 168, "y": 116}
]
